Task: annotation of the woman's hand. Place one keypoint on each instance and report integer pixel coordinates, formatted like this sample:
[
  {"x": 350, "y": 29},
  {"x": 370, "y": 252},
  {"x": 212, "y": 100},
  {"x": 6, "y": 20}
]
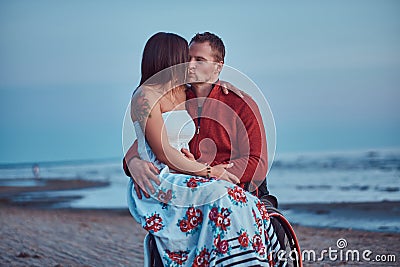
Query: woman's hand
[
  {"x": 221, "y": 173},
  {"x": 226, "y": 87},
  {"x": 187, "y": 154}
]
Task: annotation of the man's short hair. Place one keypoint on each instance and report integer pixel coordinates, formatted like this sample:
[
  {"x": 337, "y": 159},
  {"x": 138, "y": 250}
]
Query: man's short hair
[{"x": 215, "y": 42}]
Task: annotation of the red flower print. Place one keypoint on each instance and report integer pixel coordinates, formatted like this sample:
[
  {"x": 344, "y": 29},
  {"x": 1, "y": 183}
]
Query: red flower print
[
  {"x": 153, "y": 223},
  {"x": 266, "y": 235},
  {"x": 191, "y": 211},
  {"x": 202, "y": 179},
  {"x": 202, "y": 260},
  {"x": 184, "y": 226},
  {"x": 216, "y": 240},
  {"x": 178, "y": 257},
  {"x": 227, "y": 222},
  {"x": 262, "y": 250},
  {"x": 199, "y": 214},
  {"x": 258, "y": 221},
  {"x": 193, "y": 222},
  {"x": 222, "y": 246},
  {"x": 191, "y": 183},
  {"x": 222, "y": 222},
  {"x": 258, "y": 245},
  {"x": 213, "y": 214},
  {"x": 225, "y": 212},
  {"x": 192, "y": 219},
  {"x": 244, "y": 240},
  {"x": 195, "y": 213},
  {"x": 205, "y": 253},
  {"x": 263, "y": 210},
  {"x": 219, "y": 221},
  {"x": 257, "y": 241},
  {"x": 164, "y": 197},
  {"x": 237, "y": 194},
  {"x": 260, "y": 225}
]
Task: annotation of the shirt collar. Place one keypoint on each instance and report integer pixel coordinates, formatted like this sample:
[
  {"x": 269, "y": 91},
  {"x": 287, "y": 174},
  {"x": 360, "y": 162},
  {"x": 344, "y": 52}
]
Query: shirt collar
[{"x": 189, "y": 88}]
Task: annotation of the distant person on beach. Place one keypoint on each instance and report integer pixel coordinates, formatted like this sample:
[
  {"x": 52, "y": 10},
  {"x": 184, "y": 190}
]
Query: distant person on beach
[
  {"x": 197, "y": 214},
  {"x": 36, "y": 170}
]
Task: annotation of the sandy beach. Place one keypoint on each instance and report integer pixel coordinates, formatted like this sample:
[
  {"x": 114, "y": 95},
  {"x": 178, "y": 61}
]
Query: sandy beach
[{"x": 35, "y": 235}]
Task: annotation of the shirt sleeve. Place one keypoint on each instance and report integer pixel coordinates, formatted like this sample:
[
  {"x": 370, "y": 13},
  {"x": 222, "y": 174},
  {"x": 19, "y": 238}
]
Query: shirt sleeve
[
  {"x": 131, "y": 153},
  {"x": 252, "y": 165}
]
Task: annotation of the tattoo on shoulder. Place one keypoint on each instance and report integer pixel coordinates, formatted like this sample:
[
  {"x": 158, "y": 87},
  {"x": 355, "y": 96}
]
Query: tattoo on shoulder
[{"x": 141, "y": 107}]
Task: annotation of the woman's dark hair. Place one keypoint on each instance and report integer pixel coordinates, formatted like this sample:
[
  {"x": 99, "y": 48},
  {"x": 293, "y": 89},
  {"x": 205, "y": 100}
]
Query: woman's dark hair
[{"x": 162, "y": 51}]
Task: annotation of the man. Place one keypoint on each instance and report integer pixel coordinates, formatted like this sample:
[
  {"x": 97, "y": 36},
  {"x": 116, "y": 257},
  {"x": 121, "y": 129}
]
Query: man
[{"x": 229, "y": 127}]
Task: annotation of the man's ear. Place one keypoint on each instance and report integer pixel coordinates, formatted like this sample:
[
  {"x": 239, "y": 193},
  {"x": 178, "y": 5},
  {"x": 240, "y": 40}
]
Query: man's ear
[{"x": 219, "y": 66}]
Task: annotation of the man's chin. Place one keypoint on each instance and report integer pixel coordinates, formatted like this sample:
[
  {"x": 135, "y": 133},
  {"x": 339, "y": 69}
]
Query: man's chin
[
  {"x": 197, "y": 80},
  {"x": 193, "y": 80}
]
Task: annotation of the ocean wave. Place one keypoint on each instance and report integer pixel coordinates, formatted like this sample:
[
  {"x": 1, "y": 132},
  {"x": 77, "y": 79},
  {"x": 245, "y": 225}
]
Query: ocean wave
[{"x": 385, "y": 161}]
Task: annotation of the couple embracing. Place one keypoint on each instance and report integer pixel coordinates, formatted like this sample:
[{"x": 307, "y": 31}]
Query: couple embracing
[{"x": 200, "y": 150}]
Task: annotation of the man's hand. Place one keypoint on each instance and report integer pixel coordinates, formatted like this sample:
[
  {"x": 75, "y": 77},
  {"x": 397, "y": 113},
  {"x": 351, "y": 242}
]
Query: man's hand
[
  {"x": 226, "y": 87},
  {"x": 221, "y": 173},
  {"x": 142, "y": 173},
  {"x": 187, "y": 154}
]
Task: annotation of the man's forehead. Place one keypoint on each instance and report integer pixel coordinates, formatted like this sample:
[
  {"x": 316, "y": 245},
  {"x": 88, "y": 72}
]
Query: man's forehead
[{"x": 200, "y": 49}]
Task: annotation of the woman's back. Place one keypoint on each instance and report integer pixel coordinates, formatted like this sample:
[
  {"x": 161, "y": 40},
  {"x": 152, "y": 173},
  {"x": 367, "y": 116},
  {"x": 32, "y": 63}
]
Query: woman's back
[{"x": 180, "y": 130}]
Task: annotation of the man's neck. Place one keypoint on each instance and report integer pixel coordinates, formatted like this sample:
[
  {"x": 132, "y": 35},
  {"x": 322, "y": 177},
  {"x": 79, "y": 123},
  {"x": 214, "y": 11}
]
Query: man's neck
[{"x": 202, "y": 89}]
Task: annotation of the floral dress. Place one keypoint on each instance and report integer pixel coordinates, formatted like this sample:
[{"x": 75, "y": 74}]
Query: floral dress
[{"x": 199, "y": 221}]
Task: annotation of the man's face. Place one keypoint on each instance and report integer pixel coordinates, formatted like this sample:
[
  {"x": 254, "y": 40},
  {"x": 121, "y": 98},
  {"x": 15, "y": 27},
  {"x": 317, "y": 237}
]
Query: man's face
[{"x": 202, "y": 66}]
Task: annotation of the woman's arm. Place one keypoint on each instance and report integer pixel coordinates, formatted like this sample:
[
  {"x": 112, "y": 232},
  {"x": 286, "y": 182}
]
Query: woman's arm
[{"x": 150, "y": 117}]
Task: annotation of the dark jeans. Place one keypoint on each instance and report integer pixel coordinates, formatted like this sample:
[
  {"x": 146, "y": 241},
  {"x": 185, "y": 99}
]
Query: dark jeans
[
  {"x": 262, "y": 189},
  {"x": 263, "y": 194}
]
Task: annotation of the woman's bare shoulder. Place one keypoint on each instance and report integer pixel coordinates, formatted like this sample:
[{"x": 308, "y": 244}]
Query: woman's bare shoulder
[
  {"x": 152, "y": 94},
  {"x": 143, "y": 101}
]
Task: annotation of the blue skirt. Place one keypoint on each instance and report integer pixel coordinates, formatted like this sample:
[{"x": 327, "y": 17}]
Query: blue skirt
[{"x": 198, "y": 221}]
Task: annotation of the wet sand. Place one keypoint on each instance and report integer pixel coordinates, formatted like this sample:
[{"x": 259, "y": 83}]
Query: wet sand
[
  {"x": 33, "y": 237},
  {"x": 37, "y": 237},
  {"x": 35, "y": 192},
  {"x": 32, "y": 234}
]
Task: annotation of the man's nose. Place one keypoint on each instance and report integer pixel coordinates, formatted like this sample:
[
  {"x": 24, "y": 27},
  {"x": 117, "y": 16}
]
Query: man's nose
[{"x": 192, "y": 64}]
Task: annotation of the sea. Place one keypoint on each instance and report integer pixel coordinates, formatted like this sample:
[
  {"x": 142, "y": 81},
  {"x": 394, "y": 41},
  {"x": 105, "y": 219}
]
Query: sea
[{"x": 370, "y": 176}]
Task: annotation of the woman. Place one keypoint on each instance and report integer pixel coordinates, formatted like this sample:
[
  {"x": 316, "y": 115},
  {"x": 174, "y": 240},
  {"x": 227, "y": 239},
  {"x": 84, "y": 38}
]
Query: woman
[{"x": 197, "y": 215}]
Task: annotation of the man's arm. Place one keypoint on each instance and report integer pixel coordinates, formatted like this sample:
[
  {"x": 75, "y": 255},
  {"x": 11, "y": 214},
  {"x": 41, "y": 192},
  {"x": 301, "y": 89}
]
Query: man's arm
[
  {"x": 141, "y": 171},
  {"x": 130, "y": 154},
  {"x": 252, "y": 165}
]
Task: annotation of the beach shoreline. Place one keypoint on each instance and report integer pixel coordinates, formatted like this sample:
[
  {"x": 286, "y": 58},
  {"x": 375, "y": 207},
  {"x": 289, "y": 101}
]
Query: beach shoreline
[
  {"x": 98, "y": 237},
  {"x": 37, "y": 192},
  {"x": 48, "y": 193},
  {"x": 379, "y": 216},
  {"x": 35, "y": 231}
]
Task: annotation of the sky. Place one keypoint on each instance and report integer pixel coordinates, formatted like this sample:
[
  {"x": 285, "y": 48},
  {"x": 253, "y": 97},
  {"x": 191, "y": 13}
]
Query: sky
[{"x": 329, "y": 70}]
